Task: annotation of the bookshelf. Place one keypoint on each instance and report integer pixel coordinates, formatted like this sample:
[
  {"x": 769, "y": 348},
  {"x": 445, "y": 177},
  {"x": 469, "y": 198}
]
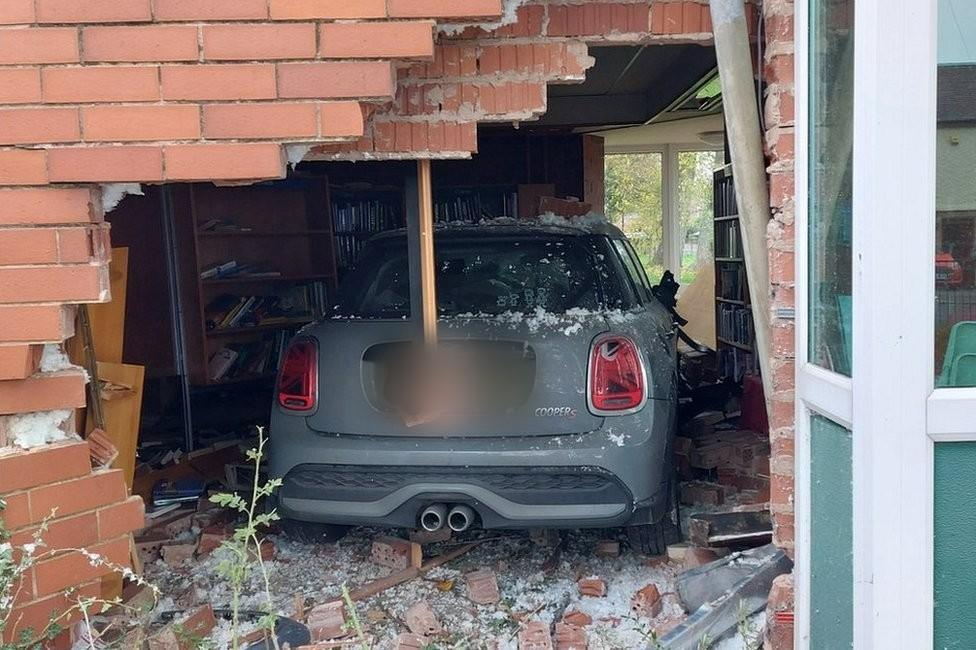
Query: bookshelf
[
  {"x": 262, "y": 265},
  {"x": 735, "y": 336},
  {"x": 359, "y": 211}
]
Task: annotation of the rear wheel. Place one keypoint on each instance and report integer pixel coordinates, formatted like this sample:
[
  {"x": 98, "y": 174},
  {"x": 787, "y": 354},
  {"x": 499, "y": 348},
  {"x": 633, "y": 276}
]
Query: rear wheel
[
  {"x": 653, "y": 539},
  {"x": 307, "y": 532}
]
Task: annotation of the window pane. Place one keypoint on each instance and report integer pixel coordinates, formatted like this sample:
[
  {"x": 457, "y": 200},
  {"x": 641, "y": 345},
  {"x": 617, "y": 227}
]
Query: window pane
[
  {"x": 633, "y": 203},
  {"x": 695, "y": 178},
  {"x": 830, "y": 163},
  {"x": 955, "y": 205}
]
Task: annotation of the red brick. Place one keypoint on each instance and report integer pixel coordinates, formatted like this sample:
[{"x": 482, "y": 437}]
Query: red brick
[
  {"x": 205, "y": 10},
  {"x": 592, "y": 587},
  {"x": 34, "y": 323},
  {"x": 259, "y": 42},
  {"x": 442, "y": 9},
  {"x": 45, "y": 392},
  {"x": 92, "y": 11},
  {"x": 56, "y": 462},
  {"x": 79, "y": 531},
  {"x": 100, "y": 84},
  {"x": 404, "y": 39},
  {"x": 327, "y": 621},
  {"x": 48, "y": 206},
  {"x": 647, "y": 602},
  {"x": 121, "y": 518},
  {"x": 341, "y": 119},
  {"x": 69, "y": 569},
  {"x": 779, "y": 69},
  {"x": 20, "y": 85},
  {"x": 140, "y": 123},
  {"x": 18, "y": 362},
  {"x": 420, "y": 619},
  {"x": 534, "y": 635},
  {"x": 143, "y": 43},
  {"x": 38, "y": 125},
  {"x": 23, "y": 167},
  {"x": 338, "y": 9},
  {"x": 224, "y": 162},
  {"x": 36, "y": 615},
  {"x": 273, "y": 120},
  {"x": 482, "y": 587},
  {"x": 38, "y": 45},
  {"x": 577, "y": 618},
  {"x": 336, "y": 79},
  {"x": 75, "y": 245},
  {"x": 391, "y": 552},
  {"x": 16, "y": 12},
  {"x": 231, "y": 82},
  {"x": 106, "y": 164},
  {"x": 78, "y": 495},
  {"x": 17, "y": 512},
  {"x": 29, "y": 245}
]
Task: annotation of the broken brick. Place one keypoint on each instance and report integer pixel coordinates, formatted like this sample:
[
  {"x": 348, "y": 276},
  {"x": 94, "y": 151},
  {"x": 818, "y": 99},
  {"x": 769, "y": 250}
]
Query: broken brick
[
  {"x": 534, "y": 635},
  {"x": 211, "y": 539},
  {"x": 420, "y": 618},
  {"x": 696, "y": 556},
  {"x": 702, "y": 493},
  {"x": 482, "y": 587},
  {"x": 181, "y": 635},
  {"x": 410, "y": 641},
  {"x": 577, "y": 618},
  {"x": 419, "y": 536},
  {"x": 327, "y": 621},
  {"x": 592, "y": 587},
  {"x": 176, "y": 554},
  {"x": 647, "y": 602},
  {"x": 570, "y": 637},
  {"x": 607, "y": 548},
  {"x": 391, "y": 552}
]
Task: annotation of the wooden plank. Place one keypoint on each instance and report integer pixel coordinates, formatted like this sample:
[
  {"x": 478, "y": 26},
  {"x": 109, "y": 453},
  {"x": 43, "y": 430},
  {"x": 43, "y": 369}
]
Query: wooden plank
[
  {"x": 122, "y": 415},
  {"x": 732, "y": 529},
  {"x": 428, "y": 281}
]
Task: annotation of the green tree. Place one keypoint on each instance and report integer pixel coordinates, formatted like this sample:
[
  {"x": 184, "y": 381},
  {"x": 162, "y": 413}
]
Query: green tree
[{"x": 633, "y": 203}]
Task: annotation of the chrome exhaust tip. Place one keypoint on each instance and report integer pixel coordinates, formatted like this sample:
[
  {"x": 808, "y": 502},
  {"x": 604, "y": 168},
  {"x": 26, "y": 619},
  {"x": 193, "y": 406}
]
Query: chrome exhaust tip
[
  {"x": 433, "y": 517},
  {"x": 460, "y": 518}
]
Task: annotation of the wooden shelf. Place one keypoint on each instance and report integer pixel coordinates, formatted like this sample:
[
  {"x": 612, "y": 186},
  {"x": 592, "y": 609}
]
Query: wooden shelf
[
  {"x": 729, "y": 259},
  {"x": 277, "y": 278},
  {"x": 255, "y": 233},
  {"x": 730, "y": 301},
  {"x": 232, "y": 331},
  {"x": 728, "y": 217},
  {"x": 741, "y": 346}
]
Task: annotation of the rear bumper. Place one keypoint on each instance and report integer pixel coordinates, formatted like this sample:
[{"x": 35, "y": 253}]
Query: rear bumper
[{"x": 607, "y": 477}]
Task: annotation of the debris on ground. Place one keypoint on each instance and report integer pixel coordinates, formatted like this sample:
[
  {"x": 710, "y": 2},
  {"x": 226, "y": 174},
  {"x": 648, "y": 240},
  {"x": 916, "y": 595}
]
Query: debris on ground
[{"x": 734, "y": 529}]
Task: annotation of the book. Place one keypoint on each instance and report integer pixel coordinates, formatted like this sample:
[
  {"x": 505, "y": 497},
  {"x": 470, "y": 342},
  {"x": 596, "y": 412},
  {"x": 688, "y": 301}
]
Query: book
[{"x": 221, "y": 362}]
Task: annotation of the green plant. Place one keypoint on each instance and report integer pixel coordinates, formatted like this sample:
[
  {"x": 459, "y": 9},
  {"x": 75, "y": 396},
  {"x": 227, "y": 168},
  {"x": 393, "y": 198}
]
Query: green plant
[
  {"x": 354, "y": 623},
  {"x": 17, "y": 561},
  {"x": 751, "y": 636},
  {"x": 243, "y": 549}
]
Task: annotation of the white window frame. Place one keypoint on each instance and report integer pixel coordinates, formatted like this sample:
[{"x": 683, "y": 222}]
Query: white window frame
[
  {"x": 671, "y": 243},
  {"x": 891, "y": 405}
]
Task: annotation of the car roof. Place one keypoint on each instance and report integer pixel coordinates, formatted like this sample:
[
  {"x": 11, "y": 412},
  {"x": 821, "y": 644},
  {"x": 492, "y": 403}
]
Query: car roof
[{"x": 510, "y": 227}]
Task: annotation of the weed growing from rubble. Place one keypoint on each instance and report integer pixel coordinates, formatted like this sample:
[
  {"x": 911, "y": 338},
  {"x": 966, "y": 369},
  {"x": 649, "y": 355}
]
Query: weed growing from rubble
[
  {"x": 245, "y": 545},
  {"x": 751, "y": 636},
  {"x": 354, "y": 623},
  {"x": 17, "y": 561}
]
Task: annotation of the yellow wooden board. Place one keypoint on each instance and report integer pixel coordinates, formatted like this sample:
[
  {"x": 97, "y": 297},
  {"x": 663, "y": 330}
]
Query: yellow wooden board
[{"x": 122, "y": 414}]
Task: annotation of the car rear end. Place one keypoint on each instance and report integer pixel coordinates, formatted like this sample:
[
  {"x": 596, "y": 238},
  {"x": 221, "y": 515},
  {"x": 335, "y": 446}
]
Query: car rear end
[{"x": 556, "y": 391}]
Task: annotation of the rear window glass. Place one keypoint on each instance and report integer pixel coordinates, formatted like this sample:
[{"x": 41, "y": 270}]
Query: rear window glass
[{"x": 485, "y": 276}]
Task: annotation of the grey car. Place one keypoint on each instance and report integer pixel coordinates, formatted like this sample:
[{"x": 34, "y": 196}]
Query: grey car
[{"x": 571, "y": 357}]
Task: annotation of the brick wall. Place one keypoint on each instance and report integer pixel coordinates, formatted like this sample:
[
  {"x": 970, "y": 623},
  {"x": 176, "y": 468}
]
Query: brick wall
[{"x": 55, "y": 486}]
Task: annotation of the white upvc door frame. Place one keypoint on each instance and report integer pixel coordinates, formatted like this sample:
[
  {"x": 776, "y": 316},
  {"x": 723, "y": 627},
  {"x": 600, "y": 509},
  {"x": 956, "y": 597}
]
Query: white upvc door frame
[{"x": 889, "y": 404}]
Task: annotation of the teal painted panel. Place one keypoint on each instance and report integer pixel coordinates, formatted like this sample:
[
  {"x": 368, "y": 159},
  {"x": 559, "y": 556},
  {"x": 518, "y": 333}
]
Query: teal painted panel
[
  {"x": 955, "y": 533},
  {"x": 831, "y": 536}
]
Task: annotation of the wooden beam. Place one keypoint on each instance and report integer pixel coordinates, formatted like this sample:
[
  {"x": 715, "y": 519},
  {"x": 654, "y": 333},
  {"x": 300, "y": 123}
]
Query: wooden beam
[{"x": 428, "y": 284}]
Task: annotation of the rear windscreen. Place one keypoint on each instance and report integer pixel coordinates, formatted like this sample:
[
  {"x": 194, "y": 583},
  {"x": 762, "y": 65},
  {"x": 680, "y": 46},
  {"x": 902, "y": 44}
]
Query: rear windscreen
[{"x": 486, "y": 276}]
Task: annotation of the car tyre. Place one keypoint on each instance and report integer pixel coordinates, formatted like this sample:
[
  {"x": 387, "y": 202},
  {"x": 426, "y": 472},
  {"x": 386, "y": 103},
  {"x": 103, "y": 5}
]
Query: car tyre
[
  {"x": 653, "y": 539},
  {"x": 307, "y": 532}
]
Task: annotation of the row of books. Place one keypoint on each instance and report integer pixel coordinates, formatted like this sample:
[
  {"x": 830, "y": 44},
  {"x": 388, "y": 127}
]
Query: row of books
[
  {"x": 235, "y": 269},
  {"x": 735, "y": 323},
  {"x": 348, "y": 248},
  {"x": 475, "y": 206},
  {"x": 734, "y": 364},
  {"x": 366, "y": 216},
  {"x": 728, "y": 239},
  {"x": 299, "y": 302},
  {"x": 732, "y": 281},
  {"x": 249, "y": 359},
  {"x": 724, "y": 204}
]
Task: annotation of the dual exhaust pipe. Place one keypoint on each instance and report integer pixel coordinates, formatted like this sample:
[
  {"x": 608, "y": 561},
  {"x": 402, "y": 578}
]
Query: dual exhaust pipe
[{"x": 436, "y": 515}]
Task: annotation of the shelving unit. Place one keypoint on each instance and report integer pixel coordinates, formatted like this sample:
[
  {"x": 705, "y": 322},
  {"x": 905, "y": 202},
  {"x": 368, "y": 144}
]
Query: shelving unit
[
  {"x": 274, "y": 246},
  {"x": 735, "y": 336},
  {"x": 359, "y": 211}
]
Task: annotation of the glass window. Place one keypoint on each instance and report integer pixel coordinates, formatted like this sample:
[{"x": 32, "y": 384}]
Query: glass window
[
  {"x": 955, "y": 204},
  {"x": 633, "y": 204},
  {"x": 830, "y": 166},
  {"x": 695, "y": 210}
]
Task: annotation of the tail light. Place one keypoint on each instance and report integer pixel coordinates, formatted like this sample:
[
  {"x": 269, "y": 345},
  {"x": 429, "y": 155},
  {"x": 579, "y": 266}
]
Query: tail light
[
  {"x": 298, "y": 379},
  {"x": 617, "y": 381}
]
